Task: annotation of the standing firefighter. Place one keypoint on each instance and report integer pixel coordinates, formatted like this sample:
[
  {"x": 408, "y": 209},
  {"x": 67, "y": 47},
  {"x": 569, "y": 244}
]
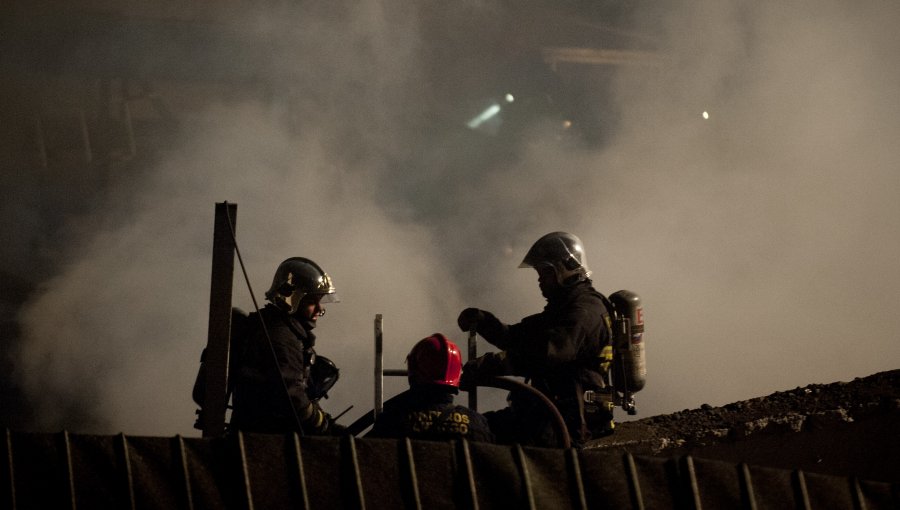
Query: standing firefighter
[
  {"x": 275, "y": 361},
  {"x": 564, "y": 351},
  {"x": 427, "y": 410}
]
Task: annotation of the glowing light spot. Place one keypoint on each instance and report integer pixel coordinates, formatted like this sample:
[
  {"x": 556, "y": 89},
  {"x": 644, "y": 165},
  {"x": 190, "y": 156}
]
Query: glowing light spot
[
  {"x": 484, "y": 116},
  {"x": 567, "y": 124},
  {"x": 706, "y": 115},
  {"x": 510, "y": 98}
]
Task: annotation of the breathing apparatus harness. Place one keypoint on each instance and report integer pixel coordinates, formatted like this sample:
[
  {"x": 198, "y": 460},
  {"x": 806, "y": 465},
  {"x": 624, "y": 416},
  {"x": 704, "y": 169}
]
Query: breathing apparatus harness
[{"x": 323, "y": 373}]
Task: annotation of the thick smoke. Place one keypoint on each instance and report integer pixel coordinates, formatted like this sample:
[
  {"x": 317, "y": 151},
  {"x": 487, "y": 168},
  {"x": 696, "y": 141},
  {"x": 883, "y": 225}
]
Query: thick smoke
[{"x": 763, "y": 239}]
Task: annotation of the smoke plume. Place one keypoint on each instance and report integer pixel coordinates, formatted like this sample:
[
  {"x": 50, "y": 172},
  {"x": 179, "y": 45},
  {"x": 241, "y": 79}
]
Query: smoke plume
[{"x": 745, "y": 186}]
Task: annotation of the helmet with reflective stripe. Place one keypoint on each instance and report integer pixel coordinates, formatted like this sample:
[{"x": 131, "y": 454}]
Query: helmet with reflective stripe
[
  {"x": 297, "y": 277},
  {"x": 434, "y": 360},
  {"x": 563, "y": 252}
]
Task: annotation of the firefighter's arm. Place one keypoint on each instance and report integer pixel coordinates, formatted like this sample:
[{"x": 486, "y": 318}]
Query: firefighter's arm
[
  {"x": 486, "y": 324},
  {"x": 317, "y": 422},
  {"x": 540, "y": 344},
  {"x": 483, "y": 368},
  {"x": 295, "y": 377}
]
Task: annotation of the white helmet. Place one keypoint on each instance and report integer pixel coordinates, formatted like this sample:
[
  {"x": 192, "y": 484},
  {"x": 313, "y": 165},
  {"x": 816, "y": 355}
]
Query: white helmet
[
  {"x": 295, "y": 278},
  {"x": 561, "y": 251}
]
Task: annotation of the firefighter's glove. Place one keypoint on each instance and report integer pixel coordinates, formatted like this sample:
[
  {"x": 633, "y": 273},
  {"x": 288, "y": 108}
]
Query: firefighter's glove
[
  {"x": 315, "y": 420},
  {"x": 485, "y": 323},
  {"x": 481, "y": 370},
  {"x": 470, "y": 318}
]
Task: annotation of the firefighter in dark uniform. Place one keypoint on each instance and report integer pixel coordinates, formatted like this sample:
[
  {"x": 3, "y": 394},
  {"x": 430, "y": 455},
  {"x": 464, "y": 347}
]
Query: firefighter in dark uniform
[
  {"x": 273, "y": 386},
  {"x": 427, "y": 410},
  {"x": 564, "y": 351}
]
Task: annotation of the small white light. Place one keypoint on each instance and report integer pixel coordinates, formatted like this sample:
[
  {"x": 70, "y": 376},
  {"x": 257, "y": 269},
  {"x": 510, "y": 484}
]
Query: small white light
[
  {"x": 706, "y": 115},
  {"x": 510, "y": 98},
  {"x": 484, "y": 116}
]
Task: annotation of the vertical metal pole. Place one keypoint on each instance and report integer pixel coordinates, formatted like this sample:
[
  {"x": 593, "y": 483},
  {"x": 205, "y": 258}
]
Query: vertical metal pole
[
  {"x": 379, "y": 364},
  {"x": 693, "y": 486},
  {"x": 126, "y": 465},
  {"x": 413, "y": 479},
  {"x": 245, "y": 470},
  {"x": 634, "y": 484},
  {"x": 300, "y": 472},
  {"x": 181, "y": 452},
  {"x": 859, "y": 499},
  {"x": 357, "y": 474},
  {"x": 212, "y": 415},
  {"x": 800, "y": 489},
  {"x": 526, "y": 477},
  {"x": 12, "y": 473},
  {"x": 469, "y": 472},
  {"x": 575, "y": 466},
  {"x": 472, "y": 354},
  {"x": 747, "y": 482},
  {"x": 70, "y": 474}
]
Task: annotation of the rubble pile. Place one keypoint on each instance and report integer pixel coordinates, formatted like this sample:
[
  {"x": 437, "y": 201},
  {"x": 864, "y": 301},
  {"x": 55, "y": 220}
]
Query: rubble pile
[{"x": 837, "y": 428}]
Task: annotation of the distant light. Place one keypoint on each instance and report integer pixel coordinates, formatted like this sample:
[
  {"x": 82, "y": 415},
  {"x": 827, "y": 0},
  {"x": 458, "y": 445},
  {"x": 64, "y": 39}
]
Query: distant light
[
  {"x": 510, "y": 98},
  {"x": 706, "y": 115},
  {"x": 567, "y": 124},
  {"x": 484, "y": 116}
]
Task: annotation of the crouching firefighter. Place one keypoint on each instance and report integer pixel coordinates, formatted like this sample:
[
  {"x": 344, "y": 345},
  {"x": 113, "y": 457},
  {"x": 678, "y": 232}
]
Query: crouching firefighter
[
  {"x": 427, "y": 410},
  {"x": 275, "y": 378},
  {"x": 565, "y": 351}
]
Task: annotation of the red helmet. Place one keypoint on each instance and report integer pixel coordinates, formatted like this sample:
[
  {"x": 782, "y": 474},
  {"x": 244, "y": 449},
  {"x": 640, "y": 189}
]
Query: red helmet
[{"x": 434, "y": 360}]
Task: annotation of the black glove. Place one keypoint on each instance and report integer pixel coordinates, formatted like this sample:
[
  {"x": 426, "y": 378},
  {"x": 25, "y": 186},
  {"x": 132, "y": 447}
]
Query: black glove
[
  {"x": 486, "y": 324},
  {"x": 482, "y": 369},
  {"x": 470, "y": 318},
  {"x": 468, "y": 380}
]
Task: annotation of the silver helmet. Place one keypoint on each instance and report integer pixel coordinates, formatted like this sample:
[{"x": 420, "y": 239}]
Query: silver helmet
[
  {"x": 297, "y": 277},
  {"x": 563, "y": 252}
]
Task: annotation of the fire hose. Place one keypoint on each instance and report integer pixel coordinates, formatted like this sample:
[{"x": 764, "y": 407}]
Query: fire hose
[{"x": 501, "y": 382}]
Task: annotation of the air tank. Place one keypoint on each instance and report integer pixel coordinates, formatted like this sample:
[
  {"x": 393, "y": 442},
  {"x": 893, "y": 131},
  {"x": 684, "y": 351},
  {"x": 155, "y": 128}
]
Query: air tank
[{"x": 629, "y": 366}]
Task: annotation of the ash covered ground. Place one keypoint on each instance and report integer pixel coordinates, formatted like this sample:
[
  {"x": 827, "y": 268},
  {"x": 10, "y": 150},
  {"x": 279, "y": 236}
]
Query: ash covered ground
[{"x": 843, "y": 428}]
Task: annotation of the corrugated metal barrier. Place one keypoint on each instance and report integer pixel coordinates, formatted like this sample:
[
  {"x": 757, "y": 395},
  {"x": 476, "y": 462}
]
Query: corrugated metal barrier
[{"x": 248, "y": 471}]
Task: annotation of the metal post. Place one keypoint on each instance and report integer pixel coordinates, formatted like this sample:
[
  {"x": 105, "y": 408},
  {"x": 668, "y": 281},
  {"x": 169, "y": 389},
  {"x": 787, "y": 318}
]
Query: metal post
[
  {"x": 413, "y": 478},
  {"x": 379, "y": 364},
  {"x": 469, "y": 469},
  {"x": 212, "y": 415},
  {"x": 70, "y": 473},
  {"x": 634, "y": 484},
  {"x": 357, "y": 473},
  {"x": 181, "y": 452},
  {"x": 126, "y": 467},
  {"x": 692, "y": 484},
  {"x": 10, "y": 500},
  {"x": 302, "y": 475},
  {"x": 245, "y": 470}
]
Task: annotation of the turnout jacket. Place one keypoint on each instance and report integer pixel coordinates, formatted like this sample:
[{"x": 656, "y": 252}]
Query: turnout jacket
[
  {"x": 270, "y": 383},
  {"x": 559, "y": 350},
  {"x": 428, "y": 412}
]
